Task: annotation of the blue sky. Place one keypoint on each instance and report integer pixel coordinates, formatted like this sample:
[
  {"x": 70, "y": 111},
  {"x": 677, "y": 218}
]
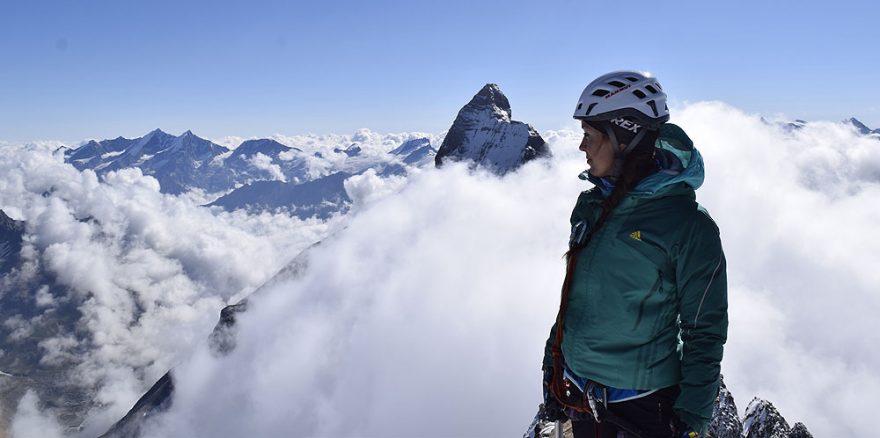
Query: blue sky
[{"x": 71, "y": 70}]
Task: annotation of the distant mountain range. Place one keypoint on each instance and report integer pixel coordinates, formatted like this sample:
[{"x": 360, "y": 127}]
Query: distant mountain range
[
  {"x": 264, "y": 174},
  {"x": 257, "y": 175},
  {"x": 860, "y": 127}
]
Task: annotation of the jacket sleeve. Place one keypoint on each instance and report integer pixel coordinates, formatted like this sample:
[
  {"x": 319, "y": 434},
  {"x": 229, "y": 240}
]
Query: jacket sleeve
[{"x": 702, "y": 283}]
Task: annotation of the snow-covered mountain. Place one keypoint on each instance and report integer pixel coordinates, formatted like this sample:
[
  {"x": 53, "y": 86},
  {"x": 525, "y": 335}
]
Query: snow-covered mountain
[
  {"x": 798, "y": 124},
  {"x": 259, "y": 174},
  {"x": 763, "y": 420},
  {"x": 484, "y": 133},
  {"x": 860, "y": 127},
  {"x": 416, "y": 152},
  {"x": 179, "y": 163}
]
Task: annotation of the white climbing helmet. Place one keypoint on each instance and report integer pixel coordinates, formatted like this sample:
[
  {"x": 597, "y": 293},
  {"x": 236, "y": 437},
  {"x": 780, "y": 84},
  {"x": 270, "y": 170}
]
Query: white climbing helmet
[{"x": 627, "y": 94}]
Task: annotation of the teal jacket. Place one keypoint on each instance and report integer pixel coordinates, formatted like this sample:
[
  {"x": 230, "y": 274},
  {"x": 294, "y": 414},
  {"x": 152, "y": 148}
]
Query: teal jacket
[{"x": 648, "y": 304}]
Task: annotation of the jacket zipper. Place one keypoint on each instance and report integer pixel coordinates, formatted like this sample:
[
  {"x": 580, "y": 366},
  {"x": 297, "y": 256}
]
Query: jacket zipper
[{"x": 657, "y": 285}]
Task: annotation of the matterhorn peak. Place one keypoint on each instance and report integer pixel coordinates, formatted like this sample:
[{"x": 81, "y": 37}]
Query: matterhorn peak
[
  {"x": 491, "y": 95},
  {"x": 484, "y": 134}
]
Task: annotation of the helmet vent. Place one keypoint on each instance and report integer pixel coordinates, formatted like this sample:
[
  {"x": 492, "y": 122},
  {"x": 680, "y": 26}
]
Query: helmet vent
[
  {"x": 616, "y": 83},
  {"x": 658, "y": 85},
  {"x": 651, "y": 89},
  {"x": 653, "y": 106},
  {"x": 632, "y": 79},
  {"x": 590, "y": 108},
  {"x": 600, "y": 92},
  {"x": 639, "y": 94}
]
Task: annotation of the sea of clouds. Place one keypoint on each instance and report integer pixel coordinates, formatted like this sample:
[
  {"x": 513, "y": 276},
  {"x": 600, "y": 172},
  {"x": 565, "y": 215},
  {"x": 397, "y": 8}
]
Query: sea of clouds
[
  {"x": 151, "y": 271},
  {"x": 427, "y": 313}
]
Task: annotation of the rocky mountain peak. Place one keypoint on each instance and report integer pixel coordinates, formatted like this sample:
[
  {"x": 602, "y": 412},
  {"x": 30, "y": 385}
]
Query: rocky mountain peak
[
  {"x": 861, "y": 127},
  {"x": 799, "y": 431},
  {"x": 725, "y": 420},
  {"x": 490, "y": 96},
  {"x": 484, "y": 134},
  {"x": 763, "y": 420}
]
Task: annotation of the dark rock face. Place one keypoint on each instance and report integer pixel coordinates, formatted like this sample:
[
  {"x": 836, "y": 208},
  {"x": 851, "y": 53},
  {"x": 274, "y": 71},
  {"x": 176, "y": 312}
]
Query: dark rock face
[
  {"x": 725, "y": 420},
  {"x": 484, "y": 133},
  {"x": 33, "y": 308},
  {"x": 799, "y": 431},
  {"x": 157, "y": 399},
  {"x": 762, "y": 420},
  {"x": 221, "y": 341},
  {"x": 10, "y": 242}
]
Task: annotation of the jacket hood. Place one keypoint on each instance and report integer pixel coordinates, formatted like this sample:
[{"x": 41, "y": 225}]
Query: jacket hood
[{"x": 677, "y": 159}]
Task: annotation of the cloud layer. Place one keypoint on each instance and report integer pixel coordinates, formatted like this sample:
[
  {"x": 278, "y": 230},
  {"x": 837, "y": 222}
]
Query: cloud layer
[
  {"x": 427, "y": 314},
  {"x": 148, "y": 272}
]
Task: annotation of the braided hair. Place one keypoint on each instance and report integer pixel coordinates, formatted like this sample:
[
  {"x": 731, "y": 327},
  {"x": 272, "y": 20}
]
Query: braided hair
[{"x": 637, "y": 165}]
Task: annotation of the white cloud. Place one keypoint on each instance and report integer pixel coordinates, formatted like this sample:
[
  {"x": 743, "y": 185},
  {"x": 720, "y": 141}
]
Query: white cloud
[
  {"x": 369, "y": 187},
  {"x": 30, "y": 421},
  {"x": 264, "y": 162},
  {"x": 429, "y": 313}
]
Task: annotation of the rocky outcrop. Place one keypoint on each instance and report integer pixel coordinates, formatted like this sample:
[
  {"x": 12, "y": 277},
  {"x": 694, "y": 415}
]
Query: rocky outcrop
[
  {"x": 10, "y": 242},
  {"x": 484, "y": 134},
  {"x": 762, "y": 420},
  {"x": 725, "y": 420},
  {"x": 221, "y": 342},
  {"x": 34, "y": 308},
  {"x": 799, "y": 431}
]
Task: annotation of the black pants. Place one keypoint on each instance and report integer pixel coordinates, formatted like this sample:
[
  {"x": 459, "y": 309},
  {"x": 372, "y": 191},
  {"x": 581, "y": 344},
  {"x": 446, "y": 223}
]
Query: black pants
[{"x": 650, "y": 414}]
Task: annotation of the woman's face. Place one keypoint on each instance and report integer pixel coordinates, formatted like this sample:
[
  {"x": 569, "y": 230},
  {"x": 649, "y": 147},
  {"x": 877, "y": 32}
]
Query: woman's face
[{"x": 600, "y": 152}]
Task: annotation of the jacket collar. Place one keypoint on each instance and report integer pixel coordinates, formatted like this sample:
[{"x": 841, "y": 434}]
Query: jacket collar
[{"x": 678, "y": 160}]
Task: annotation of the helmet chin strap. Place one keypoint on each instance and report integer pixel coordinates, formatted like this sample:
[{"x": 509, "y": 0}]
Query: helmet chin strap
[{"x": 620, "y": 155}]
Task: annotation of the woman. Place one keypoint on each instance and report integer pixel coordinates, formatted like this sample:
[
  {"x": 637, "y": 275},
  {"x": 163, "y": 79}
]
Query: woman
[{"x": 644, "y": 301}]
